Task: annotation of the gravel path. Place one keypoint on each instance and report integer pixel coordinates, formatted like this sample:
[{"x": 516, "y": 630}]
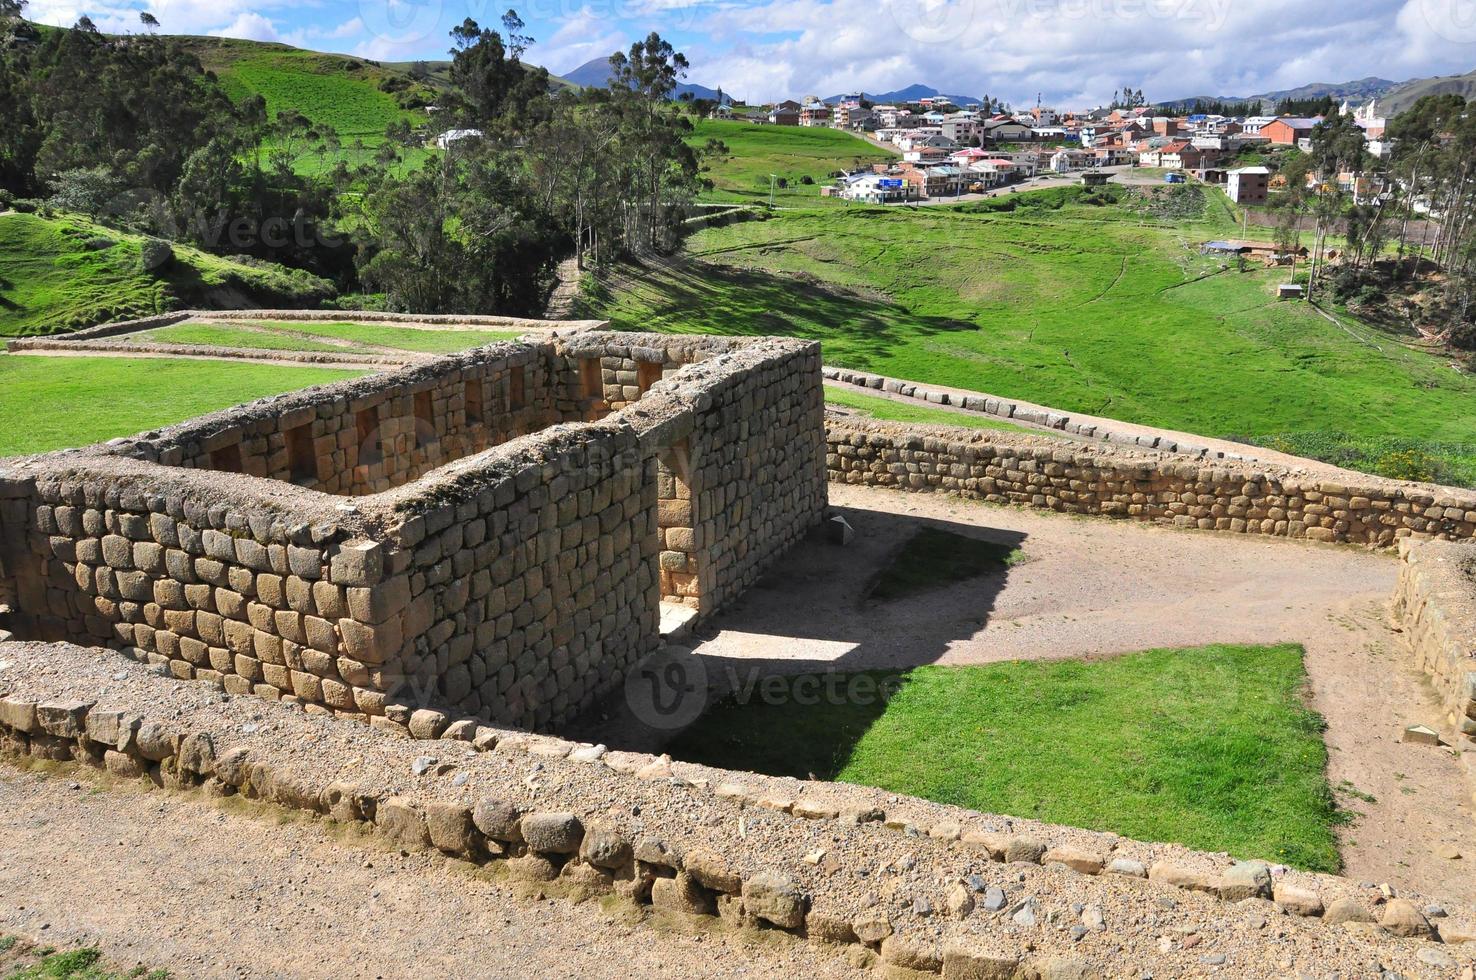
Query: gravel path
[
  {"x": 204, "y": 890},
  {"x": 1093, "y": 587}
]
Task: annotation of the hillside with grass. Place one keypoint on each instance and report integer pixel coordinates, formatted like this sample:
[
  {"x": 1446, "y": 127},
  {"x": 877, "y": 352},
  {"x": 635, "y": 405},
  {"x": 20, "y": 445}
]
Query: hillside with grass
[
  {"x": 64, "y": 273},
  {"x": 353, "y": 96},
  {"x": 791, "y": 153},
  {"x": 1104, "y": 308}
]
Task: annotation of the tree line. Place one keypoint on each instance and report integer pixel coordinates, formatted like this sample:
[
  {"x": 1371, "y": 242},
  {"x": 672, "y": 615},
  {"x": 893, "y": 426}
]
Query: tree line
[
  {"x": 134, "y": 132},
  {"x": 1428, "y": 179}
]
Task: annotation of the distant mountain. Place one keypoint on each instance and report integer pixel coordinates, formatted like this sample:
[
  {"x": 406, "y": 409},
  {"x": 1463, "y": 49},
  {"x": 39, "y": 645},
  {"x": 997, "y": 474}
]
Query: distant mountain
[
  {"x": 1361, "y": 90},
  {"x": 595, "y": 73},
  {"x": 911, "y": 94},
  {"x": 1401, "y": 97}
]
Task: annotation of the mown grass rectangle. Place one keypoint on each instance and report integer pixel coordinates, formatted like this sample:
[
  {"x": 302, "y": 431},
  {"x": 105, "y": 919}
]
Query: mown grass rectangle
[
  {"x": 1211, "y": 747},
  {"x": 51, "y": 403}
]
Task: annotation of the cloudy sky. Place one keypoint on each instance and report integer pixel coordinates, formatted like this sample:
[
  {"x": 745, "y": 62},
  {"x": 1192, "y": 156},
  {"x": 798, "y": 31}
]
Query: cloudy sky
[{"x": 1072, "y": 52}]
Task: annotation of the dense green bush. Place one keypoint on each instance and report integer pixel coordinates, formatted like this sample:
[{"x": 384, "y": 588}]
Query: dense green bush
[{"x": 1452, "y": 464}]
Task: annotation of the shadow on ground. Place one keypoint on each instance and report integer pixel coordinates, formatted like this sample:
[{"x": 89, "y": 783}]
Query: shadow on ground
[{"x": 838, "y": 662}]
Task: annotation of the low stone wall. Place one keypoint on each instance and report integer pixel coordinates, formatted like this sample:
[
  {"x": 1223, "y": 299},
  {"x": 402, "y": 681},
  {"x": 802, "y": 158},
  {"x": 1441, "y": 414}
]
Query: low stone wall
[
  {"x": 503, "y": 556},
  {"x": 1248, "y": 498},
  {"x": 917, "y": 885},
  {"x": 1435, "y": 604},
  {"x": 1005, "y": 409}
]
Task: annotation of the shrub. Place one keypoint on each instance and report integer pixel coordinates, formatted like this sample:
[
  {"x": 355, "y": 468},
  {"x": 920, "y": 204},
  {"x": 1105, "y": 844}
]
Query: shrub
[
  {"x": 1409, "y": 464},
  {"x": 155, "y": 255}
]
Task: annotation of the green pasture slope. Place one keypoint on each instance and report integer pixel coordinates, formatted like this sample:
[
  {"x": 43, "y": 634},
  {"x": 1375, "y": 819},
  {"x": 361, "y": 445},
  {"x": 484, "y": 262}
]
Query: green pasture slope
[
  {"x": 1105, "y": 308},
  {"x": 338, "y": 91},
  {"x": 63, "y": 273},
  {"x": 790, "y": 152}
]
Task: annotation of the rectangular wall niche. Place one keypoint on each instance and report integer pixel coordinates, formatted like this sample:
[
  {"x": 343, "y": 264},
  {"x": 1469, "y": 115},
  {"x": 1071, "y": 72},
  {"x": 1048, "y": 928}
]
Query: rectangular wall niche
[
  {"x": 302, "y": 461},
  {"x": 676, "y": 519}
]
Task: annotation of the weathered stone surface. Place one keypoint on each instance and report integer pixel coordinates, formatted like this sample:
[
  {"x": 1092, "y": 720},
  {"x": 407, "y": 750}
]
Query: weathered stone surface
[
  {"x": 499, "y": 820},
  {"x": 403, "y": 822},
  {"x": 451, "y": 829},
  {"x": 1085, "y": 862},
  {"x": 712, "y": 870},
  {"x": 682, "y": 894},
  {"x": 776, "y": 899},
  {"x": 912, "y": 953},
  {"x": 552, "y": 832},
  {"x": 1403, "y": 918},
  {"x": 1343, "y": 910},
  {"x": 1198, "y": 881},
  {"x": 64, "y": 719},
  {"x": 1245, "y": 879},
  {"x": 604, "y": 847},
  {"x": 18, "y": 713},
  {"x": 1297, "y": 900},
  {"x": 1024, "y": 849},
  {"x": 964, "y": 962},
  {"x": 872, "y": 926}
]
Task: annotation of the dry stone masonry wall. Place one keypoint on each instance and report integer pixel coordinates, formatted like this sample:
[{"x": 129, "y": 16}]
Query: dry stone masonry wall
[
  {"x": 1435, "y": 604},
  {"x": 482, "y": 532},
  {"x": 1230, "y": 496},
  {"x": 913, "y": 884}
]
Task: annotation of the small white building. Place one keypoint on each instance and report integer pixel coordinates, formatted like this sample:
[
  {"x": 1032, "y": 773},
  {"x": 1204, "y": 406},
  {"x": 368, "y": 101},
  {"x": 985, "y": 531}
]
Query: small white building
[{"x": 451, "y": 136}]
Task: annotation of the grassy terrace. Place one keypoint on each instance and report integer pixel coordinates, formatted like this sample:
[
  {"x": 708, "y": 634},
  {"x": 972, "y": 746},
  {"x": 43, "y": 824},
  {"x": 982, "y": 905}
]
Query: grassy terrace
[
  {"x": 1104, "y": 308},
  {"x": 355, "y": 338},
  {"x": 886, "y": 410},
  {"x": 791, "y": 152},
  {"x": 1209, "y": 747},
  {"x": 64, "y": 273},
  {"x": 57, "y": 402}
]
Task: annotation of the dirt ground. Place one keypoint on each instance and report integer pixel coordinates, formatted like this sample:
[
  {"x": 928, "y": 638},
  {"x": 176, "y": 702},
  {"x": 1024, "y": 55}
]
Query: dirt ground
[
  {"x": 1090, "y": 587},
  {"x": 217, "y": 889}
]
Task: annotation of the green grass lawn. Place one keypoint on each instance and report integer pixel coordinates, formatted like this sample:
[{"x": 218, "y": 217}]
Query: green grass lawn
[
  {"x": 405, "y": 338},
  {"x": 63, "y": 273},
  {"x": 58, "y": 402},
  {"x": 1209, "y": 747},
  {"x": 1102, "y": 309},
  {"x": 791, "y": 152},
  {"x": 357, "y": 338},
  {"x": 886, "y": 410},
  {"x": 217, "y": 335}
]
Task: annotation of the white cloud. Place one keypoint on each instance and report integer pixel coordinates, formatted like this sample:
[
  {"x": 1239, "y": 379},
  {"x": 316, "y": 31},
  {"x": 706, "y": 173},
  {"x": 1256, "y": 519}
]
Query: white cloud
[
  {"x": 1078, "y": 50},
  {"x": 251, "y": 26}
]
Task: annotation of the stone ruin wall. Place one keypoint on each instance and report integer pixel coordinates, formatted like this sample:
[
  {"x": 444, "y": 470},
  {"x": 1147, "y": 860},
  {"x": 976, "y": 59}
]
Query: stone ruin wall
[
  {"x": 1239, "y": 497},
  {"x": 506, "y": 562},
  {"x": 1435, "y": 605},
  {"x": 920, "y": 886}
]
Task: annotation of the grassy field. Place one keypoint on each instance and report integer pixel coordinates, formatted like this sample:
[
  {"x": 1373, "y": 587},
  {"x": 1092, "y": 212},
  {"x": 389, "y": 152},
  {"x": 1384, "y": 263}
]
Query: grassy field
[
  {"x": 57, "y": 402},
  {"x": 790, "y": 152},
  {"x": 886, "y": 410},
  {"x": 1106, "y": 309},
  {"x": 59, "y": 274},
  {"x": 1209, "y": 747},
  {"x": 356, "y": 338},
  {"x": 337, "y": 91},
  {"x": 405, "y": 338}
]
